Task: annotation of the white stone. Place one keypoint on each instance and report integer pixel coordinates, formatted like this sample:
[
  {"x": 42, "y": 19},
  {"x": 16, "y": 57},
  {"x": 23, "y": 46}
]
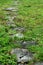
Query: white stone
[{"x": 19, "y": 35}]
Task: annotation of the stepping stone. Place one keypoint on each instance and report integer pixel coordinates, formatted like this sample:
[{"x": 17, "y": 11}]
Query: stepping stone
[
  {"x": 18, "y": 29},
  {"x": 11, "y": 9},
  {"x": 21, "y": 29},
  {"x": 23, "y": 55},
  {"x": 28, "y": 43},
  {"x": 19, "y": 35}
]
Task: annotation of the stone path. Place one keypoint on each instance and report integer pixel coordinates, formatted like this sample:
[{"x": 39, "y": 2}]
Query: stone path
[{"x": 23, "y": 55}]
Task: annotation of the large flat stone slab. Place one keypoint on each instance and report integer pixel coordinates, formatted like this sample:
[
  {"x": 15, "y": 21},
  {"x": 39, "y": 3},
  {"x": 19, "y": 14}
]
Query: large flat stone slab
[{"x": 23, "y": 55}]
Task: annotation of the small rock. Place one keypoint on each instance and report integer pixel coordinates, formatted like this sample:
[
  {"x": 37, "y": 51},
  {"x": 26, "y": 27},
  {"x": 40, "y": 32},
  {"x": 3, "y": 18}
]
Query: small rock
[{"x": 19, "y": 35}]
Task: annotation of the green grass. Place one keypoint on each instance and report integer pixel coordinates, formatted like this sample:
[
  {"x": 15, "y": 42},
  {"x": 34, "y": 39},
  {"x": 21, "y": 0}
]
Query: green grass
[{"x": 30, "y": 16}]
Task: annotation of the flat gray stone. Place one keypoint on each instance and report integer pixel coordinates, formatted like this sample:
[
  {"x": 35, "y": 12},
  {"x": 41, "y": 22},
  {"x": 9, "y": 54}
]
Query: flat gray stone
[
  {"x": 28, "y": 43},
  {"x": 23, "y": 55},
  {"x": 21, "y": 29}
]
